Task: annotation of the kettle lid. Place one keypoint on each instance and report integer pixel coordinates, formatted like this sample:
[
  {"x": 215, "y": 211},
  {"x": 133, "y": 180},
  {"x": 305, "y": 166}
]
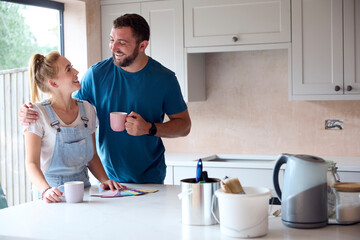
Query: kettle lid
[{"x": 309, "y": 158}]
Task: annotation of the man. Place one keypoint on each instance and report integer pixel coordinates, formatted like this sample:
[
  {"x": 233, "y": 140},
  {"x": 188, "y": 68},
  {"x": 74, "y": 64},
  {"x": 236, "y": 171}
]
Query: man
[{"x": 132, "y": 82}]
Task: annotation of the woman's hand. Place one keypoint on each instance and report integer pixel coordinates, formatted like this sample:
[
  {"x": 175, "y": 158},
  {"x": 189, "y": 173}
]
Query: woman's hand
[
  {"x": 52, "y": 195},
  {"x": 112, "y": 185}
]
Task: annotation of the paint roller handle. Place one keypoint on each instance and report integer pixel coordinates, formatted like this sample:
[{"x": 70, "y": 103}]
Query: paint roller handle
[
  {"x": 204, "y": 177},
  {"x": 199, "y": 169}
]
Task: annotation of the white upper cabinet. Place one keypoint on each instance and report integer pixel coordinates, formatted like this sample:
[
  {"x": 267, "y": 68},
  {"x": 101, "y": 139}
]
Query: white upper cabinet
[
  {"x": 166, "y": 44},
  {"x": 352, "y": 46},
  {"x": 236, "y": 22},
  {"x": 108, "y": 14},
  {"x": 325, "y": 59},
  {"x": 166, "y": 37},
  {"x": 322, "y": 38}
]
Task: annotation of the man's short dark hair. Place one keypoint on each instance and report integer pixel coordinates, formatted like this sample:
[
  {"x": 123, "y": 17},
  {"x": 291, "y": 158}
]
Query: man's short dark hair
[{"x": 137, "y": 23}]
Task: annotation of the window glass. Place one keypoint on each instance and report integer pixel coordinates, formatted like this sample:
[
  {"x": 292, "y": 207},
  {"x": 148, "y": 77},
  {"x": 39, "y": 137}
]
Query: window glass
[{"x": 25, "y": 30}]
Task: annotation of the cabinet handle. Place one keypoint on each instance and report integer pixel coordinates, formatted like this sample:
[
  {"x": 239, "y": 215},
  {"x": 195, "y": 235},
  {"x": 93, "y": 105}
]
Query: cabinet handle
[
  {"x": 349, "y": 88},
  {"x": 337, "y": 88},
  {"x": 235, "y": 38}
]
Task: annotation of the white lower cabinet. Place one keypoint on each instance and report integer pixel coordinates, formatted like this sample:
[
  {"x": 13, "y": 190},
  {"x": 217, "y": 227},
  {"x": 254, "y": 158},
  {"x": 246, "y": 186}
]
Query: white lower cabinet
[
  {"x": 247, "y": 176},
  {"x": 349, "y": 176},
  {"x": 169, "y": 178}
]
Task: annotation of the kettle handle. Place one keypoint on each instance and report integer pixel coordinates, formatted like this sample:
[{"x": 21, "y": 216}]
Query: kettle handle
[{"x": 281, "y": 160}]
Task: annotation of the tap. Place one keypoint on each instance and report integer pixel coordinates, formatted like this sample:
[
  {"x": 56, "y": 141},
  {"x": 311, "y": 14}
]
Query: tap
[{"x": 333, "y": 123}]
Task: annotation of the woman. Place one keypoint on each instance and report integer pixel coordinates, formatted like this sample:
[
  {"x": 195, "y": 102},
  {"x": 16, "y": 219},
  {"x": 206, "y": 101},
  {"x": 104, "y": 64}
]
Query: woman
[{"x": 60, "y": 146}]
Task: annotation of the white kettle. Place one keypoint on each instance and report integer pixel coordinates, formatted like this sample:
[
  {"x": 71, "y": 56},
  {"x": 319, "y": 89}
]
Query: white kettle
[{"x": 304, "y": 195}]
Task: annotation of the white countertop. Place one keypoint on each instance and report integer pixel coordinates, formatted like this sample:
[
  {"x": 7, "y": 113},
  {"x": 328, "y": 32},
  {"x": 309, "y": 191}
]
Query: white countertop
[
  {"x": 249, "y": 161},
  {"x": 150, "y": 216}
]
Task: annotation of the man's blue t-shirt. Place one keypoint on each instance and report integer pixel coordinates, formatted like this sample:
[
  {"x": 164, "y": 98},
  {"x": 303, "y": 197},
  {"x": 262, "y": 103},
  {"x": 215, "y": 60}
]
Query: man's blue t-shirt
[{"x": 151, "y": 92}]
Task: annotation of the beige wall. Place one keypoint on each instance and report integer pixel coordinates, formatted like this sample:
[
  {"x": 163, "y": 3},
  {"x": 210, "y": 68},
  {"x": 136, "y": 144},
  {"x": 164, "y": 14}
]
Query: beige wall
[
  {"x": 93, "y": 31},
  {"x": 82, "y": 33},
  {"x": 247, "y": 111},
  {"x": 75, "y": 35}
]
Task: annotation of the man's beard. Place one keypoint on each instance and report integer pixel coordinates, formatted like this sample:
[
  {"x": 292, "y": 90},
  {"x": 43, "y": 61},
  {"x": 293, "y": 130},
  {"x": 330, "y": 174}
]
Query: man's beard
[{"x": 127, "y": 61}]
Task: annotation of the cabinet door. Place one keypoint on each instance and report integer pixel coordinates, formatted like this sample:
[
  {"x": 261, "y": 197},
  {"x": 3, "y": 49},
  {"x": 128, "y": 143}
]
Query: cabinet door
[
  {"x": 166, "y": 35},
  {"x": 352, "y": 46},
  {"x": 317, "y": 47},
  {"x": 108, "y": 14},
  {"x": 247, "y": 177},
  {"x": 169, "y": 178},
  {"x": 234, "y": 22}
]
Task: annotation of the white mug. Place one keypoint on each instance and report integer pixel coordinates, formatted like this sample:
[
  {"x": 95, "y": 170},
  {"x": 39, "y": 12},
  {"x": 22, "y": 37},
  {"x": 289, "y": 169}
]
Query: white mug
[{"x": 73, "y": 191}]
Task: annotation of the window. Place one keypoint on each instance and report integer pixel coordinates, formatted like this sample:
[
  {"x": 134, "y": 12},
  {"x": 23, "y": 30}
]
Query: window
[
  {"x": 21, "y": 36},
  {"x": 28, "y": 27}
]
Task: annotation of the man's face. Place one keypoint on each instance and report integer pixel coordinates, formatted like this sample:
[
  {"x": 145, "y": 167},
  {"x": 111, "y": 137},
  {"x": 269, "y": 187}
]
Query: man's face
[{"x": 123, "y": 46}]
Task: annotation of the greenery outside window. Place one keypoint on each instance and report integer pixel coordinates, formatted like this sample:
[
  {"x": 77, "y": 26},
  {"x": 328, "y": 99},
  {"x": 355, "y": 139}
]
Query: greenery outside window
[{"x": 28, "y": 27}]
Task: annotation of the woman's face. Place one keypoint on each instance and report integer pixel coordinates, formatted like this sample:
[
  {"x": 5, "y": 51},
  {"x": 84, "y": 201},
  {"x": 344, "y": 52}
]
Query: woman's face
[{"x": 67, "y": 79}]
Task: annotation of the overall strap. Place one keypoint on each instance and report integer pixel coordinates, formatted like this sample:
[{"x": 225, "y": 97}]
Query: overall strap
[
  {"x": 82, "y": 112},
  {"x": 54, "y": 122}
]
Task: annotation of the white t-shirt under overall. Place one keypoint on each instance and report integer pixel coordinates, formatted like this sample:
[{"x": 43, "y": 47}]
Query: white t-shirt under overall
[{"x": 47, "y": 133}]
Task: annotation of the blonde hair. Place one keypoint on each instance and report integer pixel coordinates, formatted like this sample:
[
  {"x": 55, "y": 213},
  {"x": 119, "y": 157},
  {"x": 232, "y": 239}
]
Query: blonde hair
[{"x": 42, "y": 68}]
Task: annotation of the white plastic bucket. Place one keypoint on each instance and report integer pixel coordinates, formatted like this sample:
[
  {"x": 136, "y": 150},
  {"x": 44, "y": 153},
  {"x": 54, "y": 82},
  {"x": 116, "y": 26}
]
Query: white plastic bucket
[{"x": 244, "y": 215}]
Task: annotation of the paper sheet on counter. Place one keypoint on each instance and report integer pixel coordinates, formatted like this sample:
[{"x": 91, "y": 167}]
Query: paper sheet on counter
[{"x": 121, "y": 193}]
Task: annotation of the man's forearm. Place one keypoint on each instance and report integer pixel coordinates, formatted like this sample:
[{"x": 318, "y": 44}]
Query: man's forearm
[{"x": 174, "y": 128}]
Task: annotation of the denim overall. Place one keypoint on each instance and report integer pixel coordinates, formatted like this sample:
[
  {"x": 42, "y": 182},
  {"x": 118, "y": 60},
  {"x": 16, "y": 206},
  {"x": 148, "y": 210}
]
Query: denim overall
[
  {"x": 73, "y": 150},
  {"x": 3, "y": 202}
]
